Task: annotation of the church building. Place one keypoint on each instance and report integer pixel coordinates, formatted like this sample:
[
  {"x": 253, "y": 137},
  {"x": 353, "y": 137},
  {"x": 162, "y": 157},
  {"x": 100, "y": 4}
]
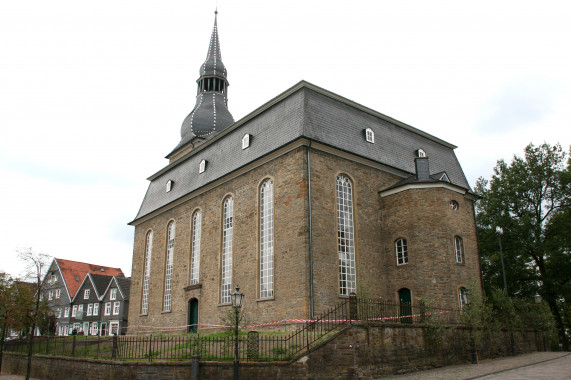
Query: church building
[{"x": 309, "y": 198}]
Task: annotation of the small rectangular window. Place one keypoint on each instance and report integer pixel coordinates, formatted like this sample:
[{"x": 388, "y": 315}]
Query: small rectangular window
[
  {"x": 86, "y": 294},
  {"x": 74, "y": 311},
  {"x": 116, "y": 308},
  {"x": 245, "y": 141},
  {"x": 58, "y": 293},
  {"x": 113, "y": 294},
  {"x": 95, "y": 309},
  {"x": 90, "y": 309},
  {"x": 107, "y": 308},
  {"x": 66, "y": 312},
  {"x": 370, "y": 135}
]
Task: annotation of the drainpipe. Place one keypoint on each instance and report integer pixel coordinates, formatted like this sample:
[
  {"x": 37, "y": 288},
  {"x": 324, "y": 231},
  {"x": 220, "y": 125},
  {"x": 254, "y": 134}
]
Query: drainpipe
[{"x": 311, "y": 297}]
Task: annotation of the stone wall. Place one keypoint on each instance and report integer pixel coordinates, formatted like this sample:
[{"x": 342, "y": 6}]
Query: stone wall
[{"x": 364, "y": 351}]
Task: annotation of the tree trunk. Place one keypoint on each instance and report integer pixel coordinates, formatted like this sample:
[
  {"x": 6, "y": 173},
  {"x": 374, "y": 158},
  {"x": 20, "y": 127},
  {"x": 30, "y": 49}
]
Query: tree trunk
[{"x": 550, "y": 298}]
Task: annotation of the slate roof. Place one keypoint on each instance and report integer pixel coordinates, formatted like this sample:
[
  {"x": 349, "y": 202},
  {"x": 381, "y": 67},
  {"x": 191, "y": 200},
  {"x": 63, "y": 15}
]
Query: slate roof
[
  {"x": 124, "y": 284},
  {"x": 74, "y": 272},
  {"x": 100, "y": 283},
  {"x": 210, "y": 114},
  {"x": 303, "y": 111}
]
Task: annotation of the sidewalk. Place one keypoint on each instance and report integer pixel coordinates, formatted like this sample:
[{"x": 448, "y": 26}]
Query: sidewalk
[{"x": 537, "y": 365}]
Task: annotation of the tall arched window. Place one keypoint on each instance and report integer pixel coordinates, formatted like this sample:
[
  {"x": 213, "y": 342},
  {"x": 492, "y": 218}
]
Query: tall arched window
[
  {"x": 345, "y": 236},
  {"x": 401, "y": 251},
  {"x": 226, "y": 267},
  {"x": 147, "y": 273},
  {"x": 267, "y": 239},
  {"x": 458, "y": 251},
  {"x": 168, "y": 267},
  {"x": 195, "y": 255}
]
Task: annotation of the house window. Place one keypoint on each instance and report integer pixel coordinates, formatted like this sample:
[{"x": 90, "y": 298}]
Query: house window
[
  {"x": 401, "y": 251},
  {"x": 458, "y": 249},
  {"x": 245, "y": 141},
  {"x": 50, "y": 295},
  {"x": 107, "y": 308},
  {"x": 202, "y": 166},
  {"x": 168, "y": 186},
  {"x": 454, "y": 205},
  {"x": 370, "y": 135},
  {"x": 94, "y": 328},
  {"x": 58, "y": 293},
  {"x": 74, "y": 311},
  {"x": 168, "y": 268},
  {"x": 116, "y": 307},
  {"x": 90, "y": 309},
  {"x": 227, "y": 232},
  {"x": 147, "y": 274},
  {"x": 53, "y": 279},
  {"x": 86, "y": 294},
  {"x": 114, "y": 327},
  {"x": 195, "y": 255},
  {"x": 95, "y": 309},
  {"x": 420, "y": 153},
  {"x": 58, "y": 312},
  {"x": 345, "y": 236},
  {"x": 267, "y": 239},
  {"x": 66, "y": 312},
  {"x": 80, "y": 311},
  {"x": 113, "y": 294},
  {"x": 462, "y": 297}
]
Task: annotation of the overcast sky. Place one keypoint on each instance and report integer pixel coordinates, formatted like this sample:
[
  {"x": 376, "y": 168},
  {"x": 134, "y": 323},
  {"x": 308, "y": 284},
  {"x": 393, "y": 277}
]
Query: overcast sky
[{"x": 93, "y": 93}]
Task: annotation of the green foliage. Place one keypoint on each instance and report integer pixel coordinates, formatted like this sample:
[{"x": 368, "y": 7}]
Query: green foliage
[
  {"x": 434, "y": 327},
  {"x": 530, "y": 198}
]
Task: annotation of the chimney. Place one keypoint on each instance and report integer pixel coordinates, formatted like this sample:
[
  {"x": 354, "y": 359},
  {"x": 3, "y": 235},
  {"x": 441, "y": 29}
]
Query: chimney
[{"x": 422, "y": 172}]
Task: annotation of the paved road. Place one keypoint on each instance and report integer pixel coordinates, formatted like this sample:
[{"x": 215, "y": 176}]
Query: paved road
[{"x": 536, "y": 366}]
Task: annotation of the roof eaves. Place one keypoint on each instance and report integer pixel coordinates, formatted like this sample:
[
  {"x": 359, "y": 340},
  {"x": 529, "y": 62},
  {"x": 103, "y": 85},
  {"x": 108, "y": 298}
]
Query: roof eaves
[{"x": 63, "y": 279}]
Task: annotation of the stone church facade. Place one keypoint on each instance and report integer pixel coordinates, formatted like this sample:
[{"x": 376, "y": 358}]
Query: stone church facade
[{"x": 305, "y": 200}]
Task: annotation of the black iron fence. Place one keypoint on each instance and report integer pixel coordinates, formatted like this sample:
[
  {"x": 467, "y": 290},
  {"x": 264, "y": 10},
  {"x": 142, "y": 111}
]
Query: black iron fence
[{"x": 253, "y": 346}]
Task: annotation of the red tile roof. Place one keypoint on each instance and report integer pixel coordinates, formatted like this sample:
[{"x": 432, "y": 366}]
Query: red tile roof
[{"x": 73, "y": 273}]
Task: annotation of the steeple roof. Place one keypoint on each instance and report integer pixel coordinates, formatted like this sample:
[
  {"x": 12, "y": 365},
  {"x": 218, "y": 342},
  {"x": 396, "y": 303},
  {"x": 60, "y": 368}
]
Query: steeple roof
[
  {"x": 213, "y": 65},
  {"x": 210, "y": 114}
]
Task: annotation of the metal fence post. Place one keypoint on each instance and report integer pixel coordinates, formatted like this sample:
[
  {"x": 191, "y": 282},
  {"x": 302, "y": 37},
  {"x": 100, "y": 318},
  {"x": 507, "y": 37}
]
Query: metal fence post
[
  {"x": 114, "y": 351},
  {"x": 73, "y": 346}
]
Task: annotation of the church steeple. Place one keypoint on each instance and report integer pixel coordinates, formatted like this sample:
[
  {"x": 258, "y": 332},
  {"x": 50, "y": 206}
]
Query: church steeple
[{"x": 210, "y": 114}]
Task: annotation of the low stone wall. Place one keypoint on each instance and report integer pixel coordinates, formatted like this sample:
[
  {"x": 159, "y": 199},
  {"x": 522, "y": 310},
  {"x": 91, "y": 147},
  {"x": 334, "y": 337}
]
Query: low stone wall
[{"x": 361, "y": 352}]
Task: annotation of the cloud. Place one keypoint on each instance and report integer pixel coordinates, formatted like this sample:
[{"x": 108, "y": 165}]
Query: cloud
[{"x": 516, "y": 105}]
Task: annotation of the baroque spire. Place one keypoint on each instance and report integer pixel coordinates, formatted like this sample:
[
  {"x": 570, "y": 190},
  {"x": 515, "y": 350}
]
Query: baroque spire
[{"x": 210, "y": 114}]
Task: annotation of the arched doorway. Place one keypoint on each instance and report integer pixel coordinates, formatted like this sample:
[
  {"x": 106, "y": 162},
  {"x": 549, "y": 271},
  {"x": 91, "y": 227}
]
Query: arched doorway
[
  {"x": 192, "y": 315},
  {"x": 405, "y": 305}
]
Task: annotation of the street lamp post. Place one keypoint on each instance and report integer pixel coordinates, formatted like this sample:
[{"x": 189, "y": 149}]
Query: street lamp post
[
  {"x": 237, "y": 299},
  {"x": 500, "y": 232}
]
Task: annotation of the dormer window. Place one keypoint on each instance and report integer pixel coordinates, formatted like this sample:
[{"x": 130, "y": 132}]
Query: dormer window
[
  {"x": 370, "y": 135},
  {"x": 246, "y": 141},
  {"x": 202, "y": 166},
  {"x": 420, "y": 153},
  {"x": 169, "y": 185}
]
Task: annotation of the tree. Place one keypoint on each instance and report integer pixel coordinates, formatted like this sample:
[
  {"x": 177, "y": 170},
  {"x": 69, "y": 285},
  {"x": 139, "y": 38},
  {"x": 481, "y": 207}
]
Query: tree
[
  {"x": 6, "y": 307},
  {"x": 36, "y": 267},
  {"x": 530, "y": 199}
]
